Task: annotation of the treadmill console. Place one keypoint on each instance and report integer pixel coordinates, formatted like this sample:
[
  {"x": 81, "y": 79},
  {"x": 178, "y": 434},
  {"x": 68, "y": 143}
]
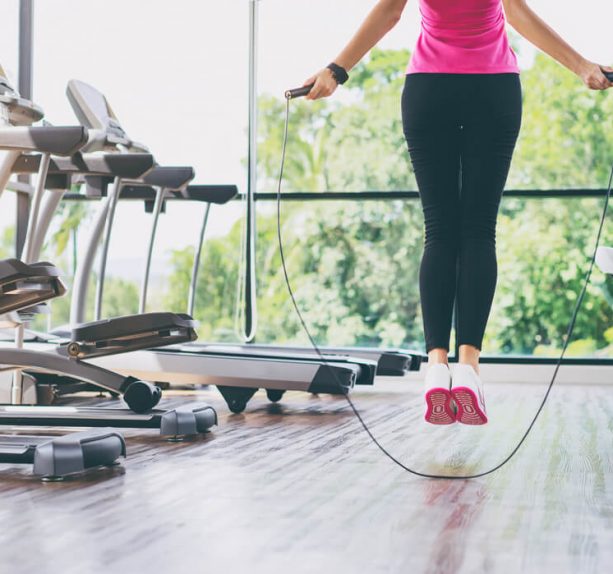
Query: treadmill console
[{"x": 94, "y": 112}]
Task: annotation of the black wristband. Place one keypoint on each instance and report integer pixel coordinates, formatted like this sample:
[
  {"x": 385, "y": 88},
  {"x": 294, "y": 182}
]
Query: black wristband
[{"x": 338, "y": 72}]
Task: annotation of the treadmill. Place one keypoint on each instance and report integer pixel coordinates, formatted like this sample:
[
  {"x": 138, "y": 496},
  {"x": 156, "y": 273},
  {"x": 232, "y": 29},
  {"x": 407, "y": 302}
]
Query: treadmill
[
  {"x": 93, "y": 339},
  {"x": 53, "y": 458},
  {"x": 237, "y": 377},
  {"x": 389, "y": 362},
  {"x": 217, "y": 194},
  {"x": 93, "y": 111}
]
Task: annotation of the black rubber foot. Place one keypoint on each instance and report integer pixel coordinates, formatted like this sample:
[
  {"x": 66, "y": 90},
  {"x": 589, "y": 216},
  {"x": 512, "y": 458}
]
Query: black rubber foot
[
  {"x": 274, "y": 395},
  {"x": 141, "y": 396}
]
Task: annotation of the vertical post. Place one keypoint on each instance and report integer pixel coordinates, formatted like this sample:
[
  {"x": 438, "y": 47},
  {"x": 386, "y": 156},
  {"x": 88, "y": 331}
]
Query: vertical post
[
  {"x": 193, "y": 286},
  {"x": 26, "y": 16},
  {"x": 26, "y": 24},
  {"x": 250, "y": 298},
  {"x": 112, "y": 200},
  {"x": 28, "y": 249}
]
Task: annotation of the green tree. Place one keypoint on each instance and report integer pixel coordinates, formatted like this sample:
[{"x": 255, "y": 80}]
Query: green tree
[{"x": 7, "y": 243}]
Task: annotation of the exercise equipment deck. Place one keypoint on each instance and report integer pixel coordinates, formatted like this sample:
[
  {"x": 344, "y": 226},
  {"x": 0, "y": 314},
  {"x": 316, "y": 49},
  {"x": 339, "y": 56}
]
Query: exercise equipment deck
[
  {"x": 389, "y": 362},
  {"x": 237, "y": 379}
]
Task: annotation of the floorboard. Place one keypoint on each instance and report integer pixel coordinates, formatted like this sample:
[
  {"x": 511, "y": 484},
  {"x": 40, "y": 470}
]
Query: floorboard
[{"x": 298, "y": 487}]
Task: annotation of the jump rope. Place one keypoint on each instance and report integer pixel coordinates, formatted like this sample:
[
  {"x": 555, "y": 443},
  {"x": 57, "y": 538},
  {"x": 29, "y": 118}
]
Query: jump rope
[{"x": 299, "y": 92}]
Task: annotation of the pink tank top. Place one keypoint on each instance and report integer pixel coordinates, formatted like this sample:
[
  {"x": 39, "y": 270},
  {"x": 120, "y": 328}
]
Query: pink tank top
[{"x": 462, "y": 37}]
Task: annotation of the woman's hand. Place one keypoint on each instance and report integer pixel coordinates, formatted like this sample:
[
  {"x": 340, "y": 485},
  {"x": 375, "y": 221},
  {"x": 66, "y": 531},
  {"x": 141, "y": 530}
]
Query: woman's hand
[
  {"x": 325, "y": 85},
  {"x": 592, "y": 76}
]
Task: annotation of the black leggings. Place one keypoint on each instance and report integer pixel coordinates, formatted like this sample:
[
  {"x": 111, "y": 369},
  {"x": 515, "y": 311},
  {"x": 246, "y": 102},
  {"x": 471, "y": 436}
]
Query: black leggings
[{"x": 461, "y": 131}]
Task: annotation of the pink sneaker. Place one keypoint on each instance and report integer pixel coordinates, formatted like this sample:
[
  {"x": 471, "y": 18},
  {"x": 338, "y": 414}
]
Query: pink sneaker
[
  {"x": 468, "y": 395},
  {"x": 439, "y": 407}
]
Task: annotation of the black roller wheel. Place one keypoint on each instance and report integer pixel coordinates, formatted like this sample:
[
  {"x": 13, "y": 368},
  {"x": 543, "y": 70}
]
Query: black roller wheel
[
  {"x": 236, "y": 397},
  {"x": 237, "y": 406},
  {"x": 142, "y": 396},
  {"x": 274, "y": 395}
]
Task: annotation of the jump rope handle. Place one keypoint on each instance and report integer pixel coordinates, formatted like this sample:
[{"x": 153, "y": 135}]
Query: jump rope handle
[
  {"x": 298, "y": 92},
  {"x": 608, "y": 75}
]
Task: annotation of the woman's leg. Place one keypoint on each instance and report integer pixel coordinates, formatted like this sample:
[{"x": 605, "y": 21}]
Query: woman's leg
[
  {"x": 491, "y": 120},
  {"x": 432, "y": 132}
]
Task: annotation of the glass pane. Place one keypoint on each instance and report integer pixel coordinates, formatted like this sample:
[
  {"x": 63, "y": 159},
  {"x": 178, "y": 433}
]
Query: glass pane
[
  {"x": 354, "y": 270},
  {"x": 164, "y": 68},
  {"x": 9, "y": 40},
  {"x": 544, "y": 251},
  {"x": 171, "y": 273},
  {"x": 354, "y": 140},
  {"x": 7, "y": 224},
  {"x": 67, "y": 237}
]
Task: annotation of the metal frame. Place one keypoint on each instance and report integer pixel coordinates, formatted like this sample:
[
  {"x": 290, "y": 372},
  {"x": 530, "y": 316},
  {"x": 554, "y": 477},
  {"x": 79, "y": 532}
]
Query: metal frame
[
  {"x": 249, "y": 326},
  {"x": 108, "y": 228},
  {"x": 405, "y": 195},
  {"x": 25, "y": 86},
  {"x": 157, "y": 208},
  {"x": 191, "y": 301}
]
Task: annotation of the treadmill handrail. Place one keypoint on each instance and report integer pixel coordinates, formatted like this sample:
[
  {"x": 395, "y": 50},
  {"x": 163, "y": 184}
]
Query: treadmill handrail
[
  {"x": 218, "y": 194},
  {"x": 169, "y": 177},
  {"x": 46, "y": 139},
  {"x": 103, "y": 164}
]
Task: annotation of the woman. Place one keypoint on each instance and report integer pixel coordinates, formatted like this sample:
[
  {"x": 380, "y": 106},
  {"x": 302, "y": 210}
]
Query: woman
[{"x": 462, "y": 108}]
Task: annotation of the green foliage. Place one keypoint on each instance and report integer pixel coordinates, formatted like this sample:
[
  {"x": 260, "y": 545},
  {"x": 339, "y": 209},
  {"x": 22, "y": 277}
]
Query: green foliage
[
  {"x": 72, "y": 214},
  {"x": 7, "y": 243},
  {"x": 216, "y": 293},
  {"x": 344, "y": 261},
  {"x": 121, "y": 297},
  {"x": 542, "y": 264},
  {"x": 366, "y": 149},
  {"x": 308, "y": 132},
  {"x": 565, "y": 140},
  {"x": 342, "y": 256}
]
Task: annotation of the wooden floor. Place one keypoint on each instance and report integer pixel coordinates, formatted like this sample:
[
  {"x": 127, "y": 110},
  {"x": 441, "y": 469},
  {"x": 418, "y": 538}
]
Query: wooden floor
[{"x": 300, "y": 489}]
